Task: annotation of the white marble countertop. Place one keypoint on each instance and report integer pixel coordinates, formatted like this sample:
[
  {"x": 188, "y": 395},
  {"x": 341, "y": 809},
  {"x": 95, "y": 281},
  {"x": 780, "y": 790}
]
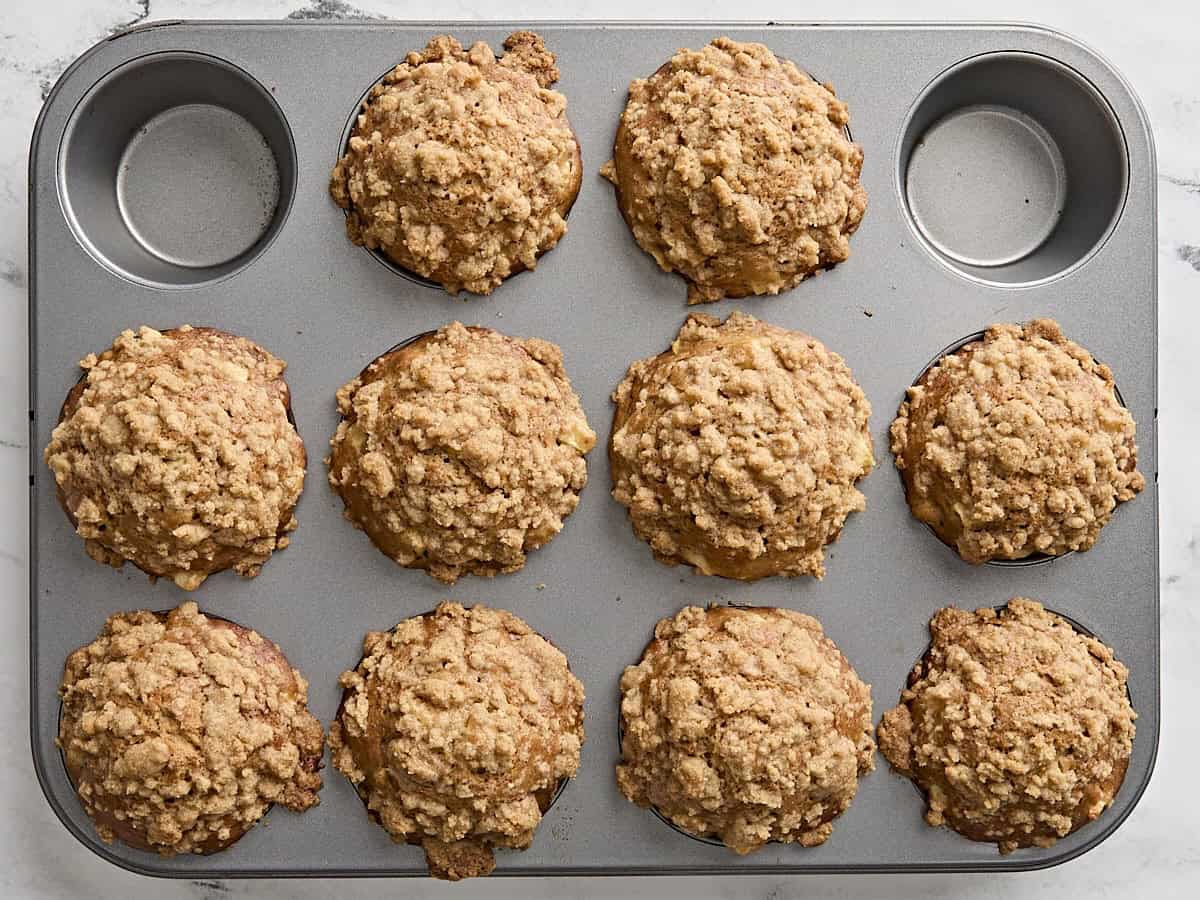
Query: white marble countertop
[{"x": 1155, "y": 43}]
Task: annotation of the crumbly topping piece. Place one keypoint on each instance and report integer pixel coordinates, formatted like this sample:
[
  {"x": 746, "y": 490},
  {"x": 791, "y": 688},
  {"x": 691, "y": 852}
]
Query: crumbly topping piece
[
  {"x": 1017, "y": 727},
  {"x": 462, "y": 167},
  {"x": 180, "y": 731},
  {"x": 746, "y": 724},
  {"x": 456, "y": 728},
  {"x": 176, "y": 453},
  {"x": 733, "y": 169},
  {"x": 461, "y": 451},
  {"x": 737, "y": 451},
  {"x": 1016, "y": 444}
]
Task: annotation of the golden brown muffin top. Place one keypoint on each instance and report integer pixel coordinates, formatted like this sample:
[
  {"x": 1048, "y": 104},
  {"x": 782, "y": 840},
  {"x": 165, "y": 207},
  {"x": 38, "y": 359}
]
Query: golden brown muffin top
[
  {"x": 462, "y": 167},
  {"x": 1016, "y": 444},
  {"x": 733, "y": 169},
  {"x": 455, "y": 729},
  {"x": 1017, "y": 727},
  {"x": 176, "y": 453},
  {"x": 179, "y": 731},
  {"x": 737, "y": 451},
  {"x": 747, "y": 724},
  {"x": 461, "y": 451}
]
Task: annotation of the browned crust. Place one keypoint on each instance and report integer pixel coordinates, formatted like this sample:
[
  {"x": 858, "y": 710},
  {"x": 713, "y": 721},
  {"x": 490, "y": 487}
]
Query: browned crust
[
  {"x": 355, "y": 499},
  {"x": 725, "y": 562},
  {"x": 937, "y": 382},
  {"x": 516, "y": 42},
  {"x": 266, "y": 653},
  {"x": 228, "y": 560},
  {"x": 849, "y": 721},
  {"x": 733, "y": 284},
  {"x": 472, "y": 856},
  {"x": 1014, "y": 822}
]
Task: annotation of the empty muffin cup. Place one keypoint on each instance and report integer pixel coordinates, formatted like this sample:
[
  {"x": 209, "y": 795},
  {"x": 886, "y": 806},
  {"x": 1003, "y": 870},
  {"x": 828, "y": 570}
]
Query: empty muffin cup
[
  {"x": 1012, "y": 168},
  {"x": 176, "y": 169}
]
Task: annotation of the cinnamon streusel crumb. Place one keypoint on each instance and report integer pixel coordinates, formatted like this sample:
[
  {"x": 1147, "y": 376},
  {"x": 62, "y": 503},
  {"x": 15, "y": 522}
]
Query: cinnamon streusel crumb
[
  {"x": 746, "y": 724},
  {"x": 462, "y": 167},
  {"x": 180, "y": 731},
  {"x": 737, "y": 451},
  {"x": 176, "y": 453},
  {"x": 461, "y": 451},
  {"x": 1016, "y": 444},
  {"x": 733, "y": 169},
  {"x": 1017, "y": 727},
  {"x": 455, "y": 729}
]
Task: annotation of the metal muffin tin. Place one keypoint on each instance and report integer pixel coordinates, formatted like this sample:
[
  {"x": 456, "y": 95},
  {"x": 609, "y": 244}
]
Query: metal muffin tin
[{"x": 939, "y": 120}]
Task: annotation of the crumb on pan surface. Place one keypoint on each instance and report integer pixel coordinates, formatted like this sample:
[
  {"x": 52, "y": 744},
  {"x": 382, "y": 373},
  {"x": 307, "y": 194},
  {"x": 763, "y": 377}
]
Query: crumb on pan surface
[
  {"x": 461, "y": 167},
  {"x": 455, "y": 729},
  {"x": 175, "y": 452},
  {"x": 737, "y": 451},
  {"x": 1016, "y": 444},
  {"x": 461, "y": 451},
  {"x": 733, "y": 169},
  {"x": 747, "y": 724},
  {"x": 179, "y": 731},
  {"x": 1016, "y": 727}
]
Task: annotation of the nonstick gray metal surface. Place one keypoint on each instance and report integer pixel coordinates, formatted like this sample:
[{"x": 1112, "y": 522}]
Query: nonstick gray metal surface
[{"x": 955, "y": 143}]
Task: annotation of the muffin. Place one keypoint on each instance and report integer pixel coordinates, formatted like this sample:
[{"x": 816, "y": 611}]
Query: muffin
[
  {"x": 1016, "y": 444},
  {"x": 737, "y": 450},
  {"x": 1016, "y": 727},
  {"x": 744, "y": 724},
  {"x": 176, "y": 452},
  {"x": 461, "y": 451},
  {"x": 179, "y": 731},
  {"x": 456, "y": 729},
  {"x": 733, "y": 168},
  {"x": 462, "y": 167}
]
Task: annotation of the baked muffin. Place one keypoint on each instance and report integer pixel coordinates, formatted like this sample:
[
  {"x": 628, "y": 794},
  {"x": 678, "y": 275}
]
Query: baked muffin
[
  {"x": 456, "y": 729},
  {"x": 1016, "y": 444},
  {"x": 461, "y": 451},
  {"x": 1016, "y": 727},
  {"x": 461, "y": 167},
  {"x": 176, "y": 452},
  {"x": 738, "y": 449},
  {"x": 179, "y": 731},
  {"x": 733, "y": 168},
  {"x": 744, "y": 724}
]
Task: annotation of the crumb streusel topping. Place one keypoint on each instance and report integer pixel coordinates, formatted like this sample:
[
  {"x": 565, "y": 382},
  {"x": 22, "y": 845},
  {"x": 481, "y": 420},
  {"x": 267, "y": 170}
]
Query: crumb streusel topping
[
  {"x": 455, "y": 728},
  {"x": 1017, "y": 727},
  {"x": 747, "y": 724},
  {"x": 179, "y": 731},
  {"x": 733, "y": 169},
  {"x": 1016, "y": 444},
  {"x": 461, "y": 451},
  {"x": 176, "y": 453},
  {"x": 737, "y": 451},
  {"x": 462, "y": 167}
]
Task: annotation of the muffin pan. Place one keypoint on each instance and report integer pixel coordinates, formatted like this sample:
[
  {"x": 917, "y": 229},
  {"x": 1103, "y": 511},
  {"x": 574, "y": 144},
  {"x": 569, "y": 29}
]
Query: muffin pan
[{"x": 960, "y": 126}]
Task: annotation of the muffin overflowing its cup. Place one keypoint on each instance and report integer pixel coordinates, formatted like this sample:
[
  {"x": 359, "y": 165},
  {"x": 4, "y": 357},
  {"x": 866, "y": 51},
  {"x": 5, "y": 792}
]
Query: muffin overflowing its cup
[
  {"x": 738, "y": 450},
  {"x": 180, "y": 731},
  {"x": 733, "y": 168},
  {"x": 462, "y": 167},
  {"x": 744, "y": 724},
  {"x": 176, "y": 452},
  {"x": 456, "y": 728}
]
